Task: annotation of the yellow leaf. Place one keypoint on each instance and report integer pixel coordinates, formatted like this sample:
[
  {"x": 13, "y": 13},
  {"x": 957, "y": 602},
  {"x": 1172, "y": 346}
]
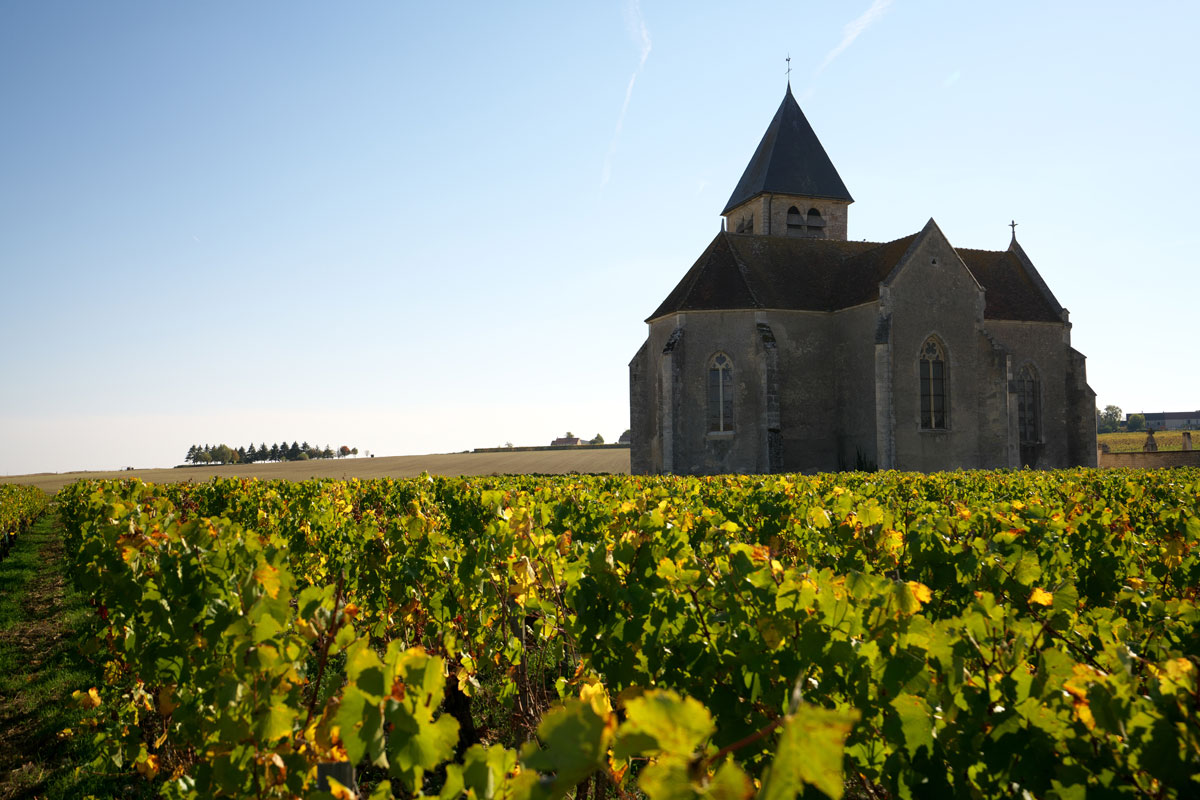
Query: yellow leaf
[
  {"x": 1084, "y": 712},
  {"x": 1041, "y": 597},
  {"x": 339, "y": 791},
  {"x": 594, "y": 694},
  {"x": 149, "y": 767},
  {"x": 88, "y": 699},
  {"x": 268, "y": 577},
  {"x": 351, "y": 610},
  {"x": 920, "y": 591},
  {"x": 166, "y": 700}
]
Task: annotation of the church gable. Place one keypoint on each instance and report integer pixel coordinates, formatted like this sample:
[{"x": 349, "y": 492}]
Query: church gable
[{"x": 931, "y": 260}]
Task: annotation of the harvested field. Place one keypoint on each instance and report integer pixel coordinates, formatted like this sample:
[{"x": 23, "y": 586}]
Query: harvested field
[
  {"x": 1132, "y": 442},
  {"x": 611, "y": 460}
]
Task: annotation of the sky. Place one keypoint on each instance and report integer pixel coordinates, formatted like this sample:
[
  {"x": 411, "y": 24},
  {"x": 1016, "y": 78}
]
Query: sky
[{"x": 429, "y": 227}]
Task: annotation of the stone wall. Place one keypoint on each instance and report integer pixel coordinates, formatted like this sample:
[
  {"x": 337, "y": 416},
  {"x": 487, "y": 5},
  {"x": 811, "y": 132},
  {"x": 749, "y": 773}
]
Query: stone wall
[
  {"x": 1173, "y": 458},
  {"x": 933, "y": 294},
  {"x": 770, "y": 214},
  {"x": 1044, "y": 346}
]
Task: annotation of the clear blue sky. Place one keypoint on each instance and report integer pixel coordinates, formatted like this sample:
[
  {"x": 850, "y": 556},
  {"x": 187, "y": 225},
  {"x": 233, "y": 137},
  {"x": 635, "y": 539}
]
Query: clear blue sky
[{"x": 430, "y": 227}]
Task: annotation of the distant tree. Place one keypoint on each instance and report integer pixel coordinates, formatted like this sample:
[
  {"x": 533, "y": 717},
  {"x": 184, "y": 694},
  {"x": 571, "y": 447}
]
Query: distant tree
[
  {"x": 597, "y": 439},
  {"x": 304, "y": 448},
  {"x": 190, "y": 458},
  {"x": 302, "y": 457},
  {"x": 275, "y": 452},
  {"x": 343, "y": 451},
  {"x": 353, "y": 451},
  {"x": 508, "y": 445},
  {"x": 202, "y": 457},
  {"x": 570, "y": 435},
  {"x": 241, "y": 455},
  {"x": 1108, "y": 420},
  {"x": 293, "y": 452},
  {"x": 223, "y": 454},
  {"x": 251, "y": 454},
  {"x": 327, "y": 452},
  {"x": 1136, "y": 422},
  {"x": 264, "y": 452}
]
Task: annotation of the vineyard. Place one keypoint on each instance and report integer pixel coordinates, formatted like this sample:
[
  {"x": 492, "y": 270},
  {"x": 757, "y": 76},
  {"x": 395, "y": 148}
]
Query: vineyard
[
  {"x": 1007, "y": 634},
  {"x": 19, "y": 507}
]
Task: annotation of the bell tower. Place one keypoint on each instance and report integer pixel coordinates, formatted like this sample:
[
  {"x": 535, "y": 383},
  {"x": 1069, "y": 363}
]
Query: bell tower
[{"x": 790, "y": 187}]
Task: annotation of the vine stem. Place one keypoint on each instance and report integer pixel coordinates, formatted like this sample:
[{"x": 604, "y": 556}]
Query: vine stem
[
  {"x": 329, "y": 634},
  {"x": 751, "y": 739}
]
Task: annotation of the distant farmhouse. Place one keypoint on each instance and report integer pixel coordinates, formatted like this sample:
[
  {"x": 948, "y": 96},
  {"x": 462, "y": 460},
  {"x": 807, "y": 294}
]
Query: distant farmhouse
[
  {"x": 1171, "y": 421},
  {"x": 566, "y": 441},
  {"x": 788, "y": 347}
]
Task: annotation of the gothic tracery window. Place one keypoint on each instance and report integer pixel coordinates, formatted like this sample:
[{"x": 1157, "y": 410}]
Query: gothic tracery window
[
  {"x": 1029, "y": 407},
  {"x": 933, "y": 386},
  {"x": 720, "y": 394}
]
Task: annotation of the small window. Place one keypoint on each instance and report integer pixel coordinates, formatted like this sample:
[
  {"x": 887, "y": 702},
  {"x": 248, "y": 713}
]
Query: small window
[
  {"x": 720, "y": 394},
  {"x": 1029, "y": 406},
  {"x": 795, "y": 222},
  {"x": 815, "y": 224},
  {"x": 933, "y": 386}
]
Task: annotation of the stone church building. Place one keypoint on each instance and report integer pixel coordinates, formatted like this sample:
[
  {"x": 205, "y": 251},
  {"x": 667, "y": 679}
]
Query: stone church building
[{"x": 788, "y": 348}]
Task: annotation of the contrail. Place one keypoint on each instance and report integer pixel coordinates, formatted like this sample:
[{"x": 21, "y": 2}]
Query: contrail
[
  {"x": 852, "y": 30},
  {"x": 637, "y": 29}
]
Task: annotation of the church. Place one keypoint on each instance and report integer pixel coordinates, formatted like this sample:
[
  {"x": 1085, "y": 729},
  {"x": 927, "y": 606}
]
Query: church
[{"x": 789, "y": 348}]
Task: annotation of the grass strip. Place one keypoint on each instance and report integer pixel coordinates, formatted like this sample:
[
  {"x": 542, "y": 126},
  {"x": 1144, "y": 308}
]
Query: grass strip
[{"x": 43, "y": 627}]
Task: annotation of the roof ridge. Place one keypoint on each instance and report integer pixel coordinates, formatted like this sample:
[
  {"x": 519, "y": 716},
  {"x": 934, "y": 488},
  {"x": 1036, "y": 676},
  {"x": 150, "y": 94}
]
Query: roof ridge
[{"x": 743, "y": 273}]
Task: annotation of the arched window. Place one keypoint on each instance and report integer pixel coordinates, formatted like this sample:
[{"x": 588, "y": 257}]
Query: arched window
[
  {"x": 933, "y": 385},
  {"x": 720, "y": 394},
  {"x": 795, "y": 222},
  {"x": 815, "y": 223},
  {"x": 1029, "y": 406}
]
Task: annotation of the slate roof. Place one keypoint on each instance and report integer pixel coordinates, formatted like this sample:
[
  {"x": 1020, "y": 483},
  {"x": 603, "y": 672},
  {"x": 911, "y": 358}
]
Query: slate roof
[
  {"x": 744, "y": 271},
  {"x": 789, "y": 160}
]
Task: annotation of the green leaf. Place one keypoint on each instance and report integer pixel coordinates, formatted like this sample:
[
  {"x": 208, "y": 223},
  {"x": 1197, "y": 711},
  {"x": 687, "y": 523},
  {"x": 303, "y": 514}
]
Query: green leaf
[
  {"x": 382, "y": 791},
  {"x": 365, "y": 670},
  {"x": 361, "y": 725},
  {"x": 417, "y": 742},
  {"x": 275, "y": 722},
  {"x": 576, "y": 740},
  {"x": 916, "y": 722},
  {"x": 667, "y": 779},
  {"x": 810, "y": 752},
  {"x": 662, "y": 721},
  {"x": 484, "y": 770},
  {"x": 730, "y": 783}
]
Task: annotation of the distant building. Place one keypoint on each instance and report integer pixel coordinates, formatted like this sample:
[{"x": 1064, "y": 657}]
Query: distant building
[
  {"x": 790, "y": 347},
  {"x": 566, "y": 441},
  {"x": 1171, "y": 421}
]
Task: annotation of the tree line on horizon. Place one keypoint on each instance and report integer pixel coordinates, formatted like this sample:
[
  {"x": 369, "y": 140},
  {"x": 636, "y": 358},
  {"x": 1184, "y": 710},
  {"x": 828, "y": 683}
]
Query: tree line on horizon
[{"x": 224, "y": 454}]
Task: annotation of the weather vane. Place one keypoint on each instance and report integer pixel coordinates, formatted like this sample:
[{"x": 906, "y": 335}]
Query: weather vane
[{"x": 789, "y": 69}]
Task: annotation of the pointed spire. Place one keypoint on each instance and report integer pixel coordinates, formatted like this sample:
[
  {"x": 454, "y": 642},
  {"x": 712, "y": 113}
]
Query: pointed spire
[{"x": 789, "y": 160}]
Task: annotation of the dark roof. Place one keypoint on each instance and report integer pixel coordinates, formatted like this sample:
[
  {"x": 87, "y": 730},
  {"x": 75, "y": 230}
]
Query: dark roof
[
  {"x": 789, "y": 160},
  {"x": 741, "y": 271},
  {"x": 1012, "y": 292}
]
